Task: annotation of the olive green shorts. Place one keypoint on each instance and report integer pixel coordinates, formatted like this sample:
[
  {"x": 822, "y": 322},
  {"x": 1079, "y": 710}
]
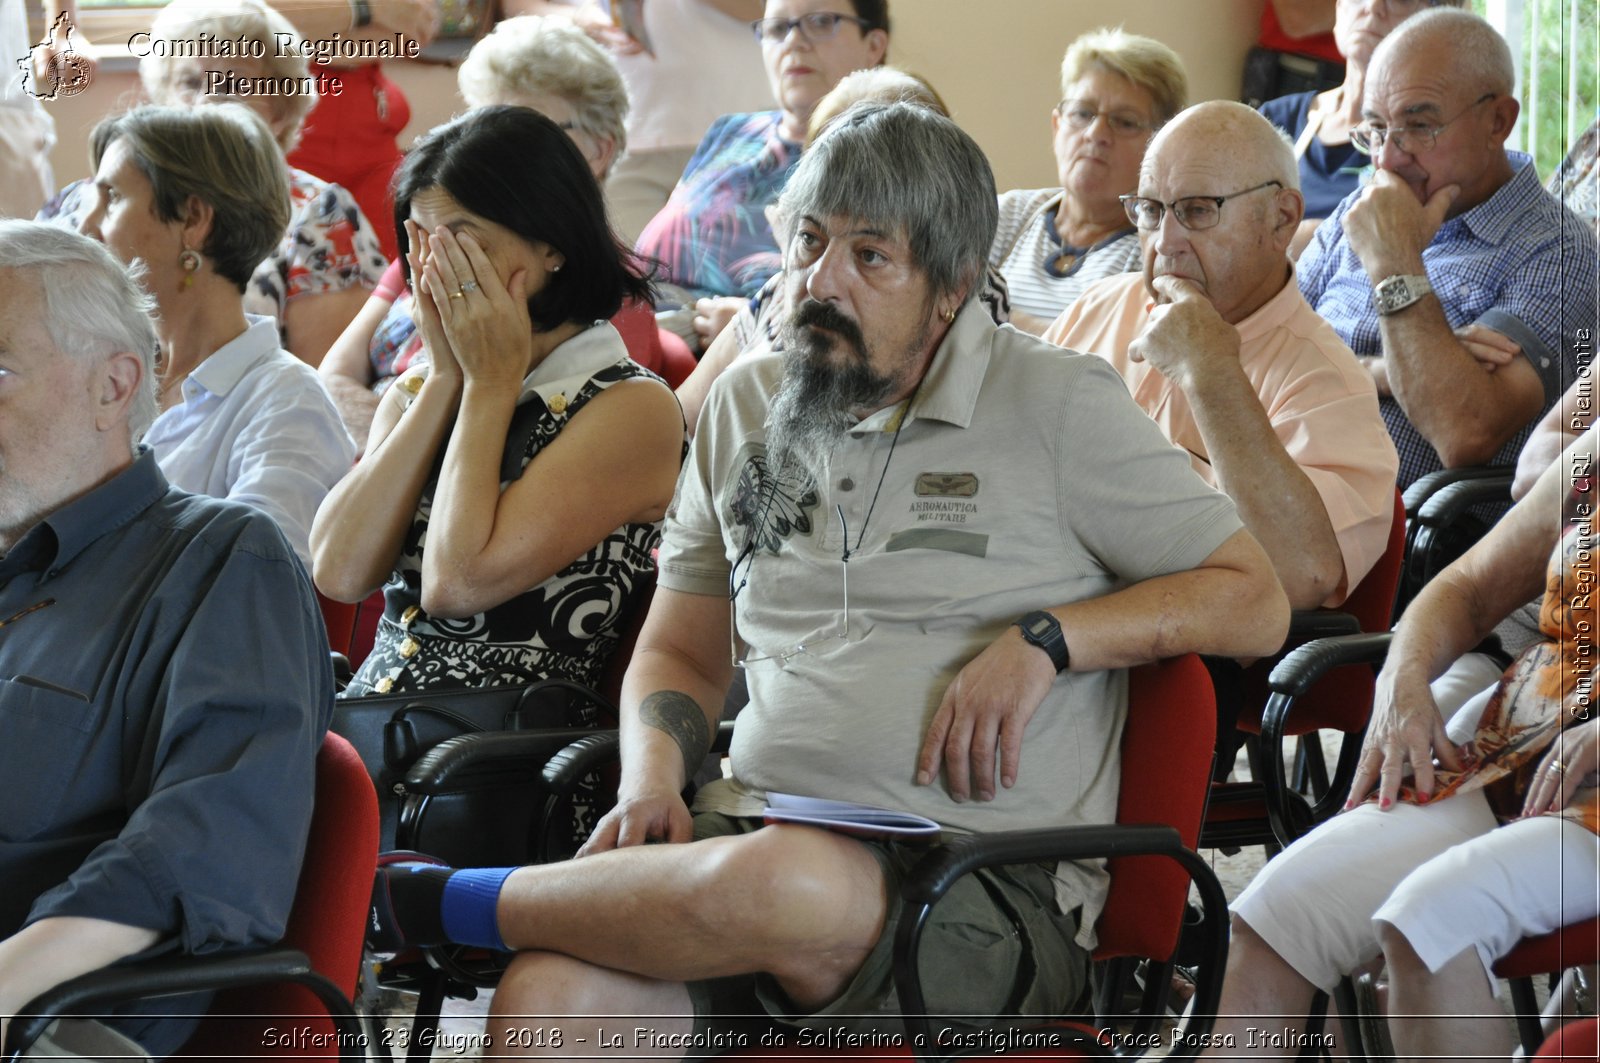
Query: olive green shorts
[{"x": 995, "y": 945}]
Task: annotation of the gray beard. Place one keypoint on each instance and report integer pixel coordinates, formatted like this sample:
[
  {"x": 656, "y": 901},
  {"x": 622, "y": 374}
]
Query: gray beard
[{"x": 814, "y": 406}]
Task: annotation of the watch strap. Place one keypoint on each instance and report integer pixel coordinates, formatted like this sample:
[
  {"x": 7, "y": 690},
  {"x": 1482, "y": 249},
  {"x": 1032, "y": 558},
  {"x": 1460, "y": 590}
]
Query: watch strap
[
  {"x": 1043, "y": 630},
  {"x": 1395, "y": 293}
]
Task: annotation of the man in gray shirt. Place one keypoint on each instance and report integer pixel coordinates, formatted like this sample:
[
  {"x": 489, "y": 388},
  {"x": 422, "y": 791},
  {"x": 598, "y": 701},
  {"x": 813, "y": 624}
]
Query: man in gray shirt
[
  {"x": 164, "y": 673},
  {"x": 942, "y": 541}
]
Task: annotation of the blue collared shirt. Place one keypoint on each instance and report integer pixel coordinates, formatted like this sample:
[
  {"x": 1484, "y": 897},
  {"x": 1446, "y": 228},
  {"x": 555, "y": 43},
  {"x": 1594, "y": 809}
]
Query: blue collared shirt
[
  {"x": 164, "y": 688},
  {"x": 1519, "y": 263}
]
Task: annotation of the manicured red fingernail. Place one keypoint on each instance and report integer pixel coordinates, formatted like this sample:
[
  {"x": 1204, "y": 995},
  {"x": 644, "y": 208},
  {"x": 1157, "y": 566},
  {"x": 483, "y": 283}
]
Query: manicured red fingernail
[
  {"x": 1385, "y": 803},
  {"x": 1422, "y": 799}
]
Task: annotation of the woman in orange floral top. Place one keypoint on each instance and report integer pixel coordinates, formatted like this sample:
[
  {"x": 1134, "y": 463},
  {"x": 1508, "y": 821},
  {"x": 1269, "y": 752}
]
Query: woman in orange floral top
[{"x": 1462, "y": 836}]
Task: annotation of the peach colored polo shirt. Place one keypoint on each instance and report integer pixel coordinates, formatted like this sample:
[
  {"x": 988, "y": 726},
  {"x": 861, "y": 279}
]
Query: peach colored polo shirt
[{"x": 1322, "y": 405}]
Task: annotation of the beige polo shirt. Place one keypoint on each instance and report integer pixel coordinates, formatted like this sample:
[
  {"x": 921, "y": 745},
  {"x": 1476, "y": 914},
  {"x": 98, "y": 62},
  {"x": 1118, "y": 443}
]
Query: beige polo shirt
[
  {"x": 1020, "y": 480},
  {"x": 1322, "y": 404}
]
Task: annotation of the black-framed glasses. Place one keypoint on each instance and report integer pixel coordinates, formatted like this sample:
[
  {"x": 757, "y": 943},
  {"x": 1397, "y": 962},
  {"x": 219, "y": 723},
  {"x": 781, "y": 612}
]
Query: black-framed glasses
[
  {"x": 1081, "y": 114},
  {"x": 1410, "y": 140},
  {"x": 816, "y": 26},
  {"x": 736, "y": 583},
  {"x": 1192, "y": 212}
]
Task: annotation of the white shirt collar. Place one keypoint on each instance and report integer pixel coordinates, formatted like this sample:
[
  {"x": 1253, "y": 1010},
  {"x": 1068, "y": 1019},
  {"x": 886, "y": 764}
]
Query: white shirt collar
[{"x": 567, "y": 368}]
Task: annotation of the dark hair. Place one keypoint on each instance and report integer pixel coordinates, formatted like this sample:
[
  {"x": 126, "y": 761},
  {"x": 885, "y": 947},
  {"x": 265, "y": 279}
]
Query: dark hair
[
  {"x": 224, "y": 156},
  {"x": 517, "y": 168},
  {"x": 875, "y": 13}
]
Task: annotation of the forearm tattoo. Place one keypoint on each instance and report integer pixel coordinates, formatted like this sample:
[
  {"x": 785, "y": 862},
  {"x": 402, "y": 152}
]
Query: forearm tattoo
[{"x": 680, "y": 716}]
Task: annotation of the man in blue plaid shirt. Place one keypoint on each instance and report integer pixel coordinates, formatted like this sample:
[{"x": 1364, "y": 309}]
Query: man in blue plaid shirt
[{"x": 1467, "y": 289}]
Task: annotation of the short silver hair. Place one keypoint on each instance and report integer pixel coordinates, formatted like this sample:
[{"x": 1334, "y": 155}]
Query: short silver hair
[
  {"x": 534, "y": 55},
  {"x": 182, "y": 21},
  {"x": 902, "y": 167},
  {"x": 1479, "y": 56},
  {"x": 94, "y": 306}
]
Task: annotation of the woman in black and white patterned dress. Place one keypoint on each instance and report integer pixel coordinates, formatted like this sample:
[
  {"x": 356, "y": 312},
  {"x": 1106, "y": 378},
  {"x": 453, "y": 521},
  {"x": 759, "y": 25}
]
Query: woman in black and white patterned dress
[{"x": 512, "y": 488}]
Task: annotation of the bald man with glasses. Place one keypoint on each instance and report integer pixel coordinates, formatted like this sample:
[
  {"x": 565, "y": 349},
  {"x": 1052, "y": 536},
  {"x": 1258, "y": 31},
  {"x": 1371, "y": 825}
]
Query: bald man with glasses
[
  {"x": 1467, "y": 290},
  {"x": 1216, "y": 343}
]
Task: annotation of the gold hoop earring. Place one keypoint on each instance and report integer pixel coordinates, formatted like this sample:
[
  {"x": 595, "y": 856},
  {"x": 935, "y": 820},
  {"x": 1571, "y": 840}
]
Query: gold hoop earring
[{"x": 189, "y": 261}]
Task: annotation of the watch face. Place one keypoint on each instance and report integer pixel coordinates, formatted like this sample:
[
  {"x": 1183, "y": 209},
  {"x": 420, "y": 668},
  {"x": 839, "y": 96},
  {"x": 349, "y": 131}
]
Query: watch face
[{"x": 1039, "y": 628}]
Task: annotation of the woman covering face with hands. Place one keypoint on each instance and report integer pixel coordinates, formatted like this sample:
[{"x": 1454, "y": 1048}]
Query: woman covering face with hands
[{"x": 511, "y": 490}]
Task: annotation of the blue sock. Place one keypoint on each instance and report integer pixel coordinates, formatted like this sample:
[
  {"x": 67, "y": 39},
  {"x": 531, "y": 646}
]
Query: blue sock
[{"x": 468, "y": 906}]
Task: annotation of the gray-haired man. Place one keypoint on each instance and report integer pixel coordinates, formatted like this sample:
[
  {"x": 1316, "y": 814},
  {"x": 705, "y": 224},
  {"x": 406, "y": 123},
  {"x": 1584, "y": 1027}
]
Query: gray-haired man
[
  {"x": 968, "y": 478},
  {"x": 164, "y": 676}
]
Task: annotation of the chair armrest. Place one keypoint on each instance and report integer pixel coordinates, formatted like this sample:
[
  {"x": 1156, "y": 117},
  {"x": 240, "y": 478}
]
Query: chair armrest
[
  {"x": 1424, "y": 487},
  {"x": 596, "y": 750},
  {"x": 564, "y": 770},
  {"x": 1450, "y": 501},
  {"x": 1307, "y": 625},
  {"x": 1291, "y": 679},
  {"x": 1302, "y": 666},
  {"x": 167, "y": 976},
  {"x": 936, "y": 872},
  {"x": 486, "y": 759}
]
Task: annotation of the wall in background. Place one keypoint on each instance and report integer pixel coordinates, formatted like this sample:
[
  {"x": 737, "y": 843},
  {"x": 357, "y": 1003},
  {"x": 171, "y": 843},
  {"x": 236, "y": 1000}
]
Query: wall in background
[{"x": 996, "y": 64}]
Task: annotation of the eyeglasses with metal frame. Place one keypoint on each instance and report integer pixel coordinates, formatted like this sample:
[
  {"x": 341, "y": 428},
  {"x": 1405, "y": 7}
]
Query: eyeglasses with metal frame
[
  {"x": 1410, "y": 140},
  {"x": 737, "y": 583},
  {"x": 1193, "y": 212},
  {"x": 1080, "y": 115},
  {"x": 815, "y": 26}
]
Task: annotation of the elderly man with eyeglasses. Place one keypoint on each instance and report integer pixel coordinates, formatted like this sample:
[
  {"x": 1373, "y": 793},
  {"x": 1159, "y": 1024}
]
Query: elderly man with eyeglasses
[
  {"x": 1468, "y": 291},
  {"x": 1217, "y": 344},
  {"x": 1015, "y": 531}
]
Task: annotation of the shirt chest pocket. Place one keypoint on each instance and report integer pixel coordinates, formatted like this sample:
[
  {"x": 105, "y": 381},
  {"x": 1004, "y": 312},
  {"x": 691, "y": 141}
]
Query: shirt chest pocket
[{"x": 45, "y": 735}]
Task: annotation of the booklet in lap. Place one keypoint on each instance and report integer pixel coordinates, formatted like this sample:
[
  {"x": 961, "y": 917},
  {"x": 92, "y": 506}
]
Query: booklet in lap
[{"x": 847, "y": 817}]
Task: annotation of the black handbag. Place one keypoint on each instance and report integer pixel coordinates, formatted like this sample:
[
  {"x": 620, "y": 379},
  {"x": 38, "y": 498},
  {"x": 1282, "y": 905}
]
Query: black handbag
[{"x": 391, "y": 731}]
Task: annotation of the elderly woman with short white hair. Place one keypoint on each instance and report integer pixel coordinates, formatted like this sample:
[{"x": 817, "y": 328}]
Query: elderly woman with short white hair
[
  {"x": 1117, "y": 89},
  {"x": 318, "y": 276},
  {"x": 554, "y": 68}
]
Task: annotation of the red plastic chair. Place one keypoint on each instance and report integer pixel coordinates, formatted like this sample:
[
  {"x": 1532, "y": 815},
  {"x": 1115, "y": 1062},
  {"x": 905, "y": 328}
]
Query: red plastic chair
[
  {"x": 1265, "y": 811},
  {"x": 677, "y": 361},
  {"x": 1578, "y": 1040},
  {"x": 340, "y": 620},
  {"x": 305, "y": 982},
  {"x": 1572, "y": 946}
]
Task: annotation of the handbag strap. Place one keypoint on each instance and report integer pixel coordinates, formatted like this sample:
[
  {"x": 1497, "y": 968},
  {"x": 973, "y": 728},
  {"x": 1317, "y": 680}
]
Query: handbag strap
[{"x": 1314, "y": 118}]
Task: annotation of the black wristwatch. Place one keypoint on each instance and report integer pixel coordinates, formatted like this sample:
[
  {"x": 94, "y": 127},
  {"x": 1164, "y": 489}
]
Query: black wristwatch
[{"x": 1041, "y": 629}]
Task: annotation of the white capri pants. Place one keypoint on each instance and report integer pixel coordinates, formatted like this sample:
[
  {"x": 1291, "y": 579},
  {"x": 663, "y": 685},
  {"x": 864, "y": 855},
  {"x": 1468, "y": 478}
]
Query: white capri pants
[{"x": 1443, "y": 875}]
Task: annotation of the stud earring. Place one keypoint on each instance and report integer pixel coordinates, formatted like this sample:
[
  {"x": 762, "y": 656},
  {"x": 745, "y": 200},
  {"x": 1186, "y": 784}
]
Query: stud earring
[
  {"x": 950, "y": 316},
  {"x": 189, "y": 261}
]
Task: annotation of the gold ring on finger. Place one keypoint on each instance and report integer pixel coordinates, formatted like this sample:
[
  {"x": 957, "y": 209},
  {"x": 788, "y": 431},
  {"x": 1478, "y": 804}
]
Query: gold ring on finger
[
  {"x": 1558, "y": 767},
  {"x": 458, "y": 294}
]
